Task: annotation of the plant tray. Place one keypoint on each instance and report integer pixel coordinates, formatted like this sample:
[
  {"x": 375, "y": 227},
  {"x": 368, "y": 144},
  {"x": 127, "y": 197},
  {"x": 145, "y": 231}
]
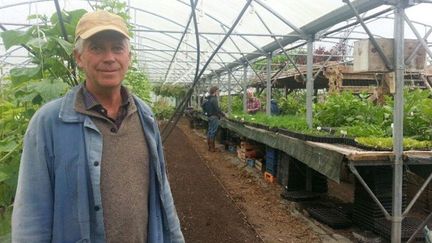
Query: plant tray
[
  {"x": 330, "y": 216},
  {"x": 297, "y": 196}
]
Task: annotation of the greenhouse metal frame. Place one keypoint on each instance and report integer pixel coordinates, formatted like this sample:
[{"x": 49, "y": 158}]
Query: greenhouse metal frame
[{"x": 168, "y": 48}]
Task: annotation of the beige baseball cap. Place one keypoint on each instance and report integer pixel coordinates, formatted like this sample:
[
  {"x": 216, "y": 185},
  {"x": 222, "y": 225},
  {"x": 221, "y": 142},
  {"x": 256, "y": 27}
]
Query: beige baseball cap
[{"x": 95, "y": 22}]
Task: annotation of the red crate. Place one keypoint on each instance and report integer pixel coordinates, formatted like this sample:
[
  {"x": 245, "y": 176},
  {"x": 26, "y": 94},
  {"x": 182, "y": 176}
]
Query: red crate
[{"x": 269, "y": 177}]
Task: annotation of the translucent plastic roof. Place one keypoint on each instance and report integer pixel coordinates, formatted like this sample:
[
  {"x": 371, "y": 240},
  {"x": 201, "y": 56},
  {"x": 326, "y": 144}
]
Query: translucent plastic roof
[{"x": 164, "y": 35}]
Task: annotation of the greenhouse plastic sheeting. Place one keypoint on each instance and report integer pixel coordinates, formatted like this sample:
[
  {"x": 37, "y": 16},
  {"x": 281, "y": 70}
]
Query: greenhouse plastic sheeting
[
  {"x": 322, "y": 160},
  {"x": 164, "y": 40}
]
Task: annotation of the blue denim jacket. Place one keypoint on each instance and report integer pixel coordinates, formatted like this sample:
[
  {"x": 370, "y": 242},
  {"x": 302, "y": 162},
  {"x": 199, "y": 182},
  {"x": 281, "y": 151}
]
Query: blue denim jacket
[{"x": 58, "y": 194}]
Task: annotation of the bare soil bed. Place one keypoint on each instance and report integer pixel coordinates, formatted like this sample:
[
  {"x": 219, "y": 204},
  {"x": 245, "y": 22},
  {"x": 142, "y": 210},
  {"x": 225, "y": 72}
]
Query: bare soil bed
[{"x": 219, "y": 199}]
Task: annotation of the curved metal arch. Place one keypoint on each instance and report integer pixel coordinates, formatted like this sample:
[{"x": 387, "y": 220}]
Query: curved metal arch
[
  {"x": 180, "y": 25},
  {"x": 226, "y": 26},
  {"x": 277, "y": 15},
  {"x": 136, "y": 9},
  {"x": 23, "y": 3},
  {"x": 159, "y": 42},
  {"x": 159, "y": 56},
  {"x": 9, "y": 53},
  {"x": 165, "y": 52}
]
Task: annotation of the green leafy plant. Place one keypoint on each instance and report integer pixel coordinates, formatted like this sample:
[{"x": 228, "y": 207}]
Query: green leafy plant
[
  {"x": 236, "y": 103},
  {"x": 177, "y": 91},
  {"x": 138, "y": 82},
  {"x": 293, "y": 104},
  {"x": 290, "y": 122},
  {"x": 346, "y": 109},
  {"x": 387, "y": 143},
  {"x": 417, "y": 113},
  {"x": 162, "y": 109}
]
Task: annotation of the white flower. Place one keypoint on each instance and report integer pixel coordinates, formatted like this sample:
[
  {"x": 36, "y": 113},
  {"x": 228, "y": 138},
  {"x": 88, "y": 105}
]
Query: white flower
[
  {"x": 319, "y": 128},
  {"x": 343, "y": 132}
]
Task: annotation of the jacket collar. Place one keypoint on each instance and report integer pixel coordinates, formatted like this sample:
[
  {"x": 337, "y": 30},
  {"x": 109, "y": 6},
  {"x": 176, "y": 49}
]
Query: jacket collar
[
  {"x": 67, "y": 109},
  {"x": 68, "y": 114}
]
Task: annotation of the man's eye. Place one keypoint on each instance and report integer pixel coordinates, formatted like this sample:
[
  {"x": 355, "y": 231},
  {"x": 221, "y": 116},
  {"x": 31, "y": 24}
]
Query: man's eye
[
  {"x": 96, "y": 48},
  {"x": 118, "y": 49}
]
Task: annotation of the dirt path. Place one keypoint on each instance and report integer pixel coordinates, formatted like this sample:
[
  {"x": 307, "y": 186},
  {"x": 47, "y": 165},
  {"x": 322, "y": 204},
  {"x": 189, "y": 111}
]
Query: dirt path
[
  {"x": 205, "y": 210},
  {"x": 219, "y": 200}
]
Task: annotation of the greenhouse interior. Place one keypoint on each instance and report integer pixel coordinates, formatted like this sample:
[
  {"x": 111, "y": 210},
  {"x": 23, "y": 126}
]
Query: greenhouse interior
[{"x": 274, "y": 121}]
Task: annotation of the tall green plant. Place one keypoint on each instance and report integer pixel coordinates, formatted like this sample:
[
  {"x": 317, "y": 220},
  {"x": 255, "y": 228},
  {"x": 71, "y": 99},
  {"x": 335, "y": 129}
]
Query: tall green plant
[
  {"x": 29, "y": 87},
  {"x": 237, "y": 103},
  {"x": 417, "y": 113},
  {"x": 347, "y": 109}
]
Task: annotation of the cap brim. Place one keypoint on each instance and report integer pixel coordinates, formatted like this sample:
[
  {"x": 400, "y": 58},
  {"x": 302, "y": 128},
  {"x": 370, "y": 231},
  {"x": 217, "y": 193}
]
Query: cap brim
[{"x": 98, "y": 29}]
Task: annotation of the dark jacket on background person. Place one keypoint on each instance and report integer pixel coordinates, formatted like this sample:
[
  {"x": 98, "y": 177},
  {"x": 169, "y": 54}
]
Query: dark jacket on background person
[{"x": 214, "y": 109}]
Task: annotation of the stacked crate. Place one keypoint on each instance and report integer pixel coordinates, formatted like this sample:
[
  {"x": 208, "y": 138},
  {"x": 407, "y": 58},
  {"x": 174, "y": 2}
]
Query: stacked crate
[
  {"x": 367, "y": 214},
  {"x": 245, "y": 150},
  {"x": 250, "y": 154},
  {"x": 271, "y": 158}
]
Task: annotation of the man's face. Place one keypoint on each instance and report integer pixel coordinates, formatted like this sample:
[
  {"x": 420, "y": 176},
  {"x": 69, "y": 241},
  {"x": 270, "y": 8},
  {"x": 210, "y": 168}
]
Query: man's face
[
  {"x": 105, "y": 60},
  {"x": 249, "y": 95}
]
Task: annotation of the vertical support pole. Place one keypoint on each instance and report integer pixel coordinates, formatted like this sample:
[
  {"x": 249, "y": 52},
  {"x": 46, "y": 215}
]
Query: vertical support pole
[
  {"x": 198, "y": 93},
  {"x": 229, "y": 93},
  {"x": 268, "y": 87},
  {"x": 218, "y": 82},
  {"x": 309, "y": 83},
  {"x": 194, "y": 101},
  {"x": 245, "y": 66},
  {"x": 399, "y": 65}
]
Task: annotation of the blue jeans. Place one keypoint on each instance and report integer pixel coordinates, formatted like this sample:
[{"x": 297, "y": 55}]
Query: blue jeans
[{"x": 213, "y": 124}]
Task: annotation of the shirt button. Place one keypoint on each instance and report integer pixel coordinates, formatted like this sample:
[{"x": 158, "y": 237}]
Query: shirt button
[
  {"x": 96, "y": 163},
  {"x": 96, "y": 208},
  {"x": 113, "y": 130}
]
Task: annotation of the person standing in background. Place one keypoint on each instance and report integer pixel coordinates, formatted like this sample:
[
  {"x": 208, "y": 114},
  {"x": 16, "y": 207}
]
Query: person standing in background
[
  {"x": 253, "y": 104},
  {"x": 214, "y": 113}
]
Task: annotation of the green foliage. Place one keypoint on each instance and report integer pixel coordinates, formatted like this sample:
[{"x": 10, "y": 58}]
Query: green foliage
[
  {"x": 162, "y": 109},
  {"x": 138, "y": 82},
  {"x": 177, "y": 91},
  {"x": 387, "y": 143},
  {"x": 293, "y": 104},
  {"x": 236, "y": 103},
  {"x": 30, "y": 87},
  {"x": 5, "y": 222},
  {"x": 346, "y": 109},
  {"x": 363, "y": 130},
  {"x": 51, "y": 52},
  {"x": 417, "y": 113},
  {"x": 361, "y": 117},
  {"x": 290, "y": 122}
]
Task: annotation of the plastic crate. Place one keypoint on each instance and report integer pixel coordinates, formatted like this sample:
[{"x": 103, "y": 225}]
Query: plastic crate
[
  {"x": 271, "y": 165},
  {"x": 271, "y": 153},
  {"x": 250, "y": 162}
]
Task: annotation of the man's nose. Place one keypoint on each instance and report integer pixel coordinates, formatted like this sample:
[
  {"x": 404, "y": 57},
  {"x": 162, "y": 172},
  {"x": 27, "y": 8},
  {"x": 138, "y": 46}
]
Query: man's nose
[{"x": 109, "y": 56}]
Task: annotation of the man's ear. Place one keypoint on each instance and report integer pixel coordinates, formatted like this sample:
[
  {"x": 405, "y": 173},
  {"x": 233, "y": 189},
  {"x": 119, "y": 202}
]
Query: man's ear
[{"x": 78, "y": 60}]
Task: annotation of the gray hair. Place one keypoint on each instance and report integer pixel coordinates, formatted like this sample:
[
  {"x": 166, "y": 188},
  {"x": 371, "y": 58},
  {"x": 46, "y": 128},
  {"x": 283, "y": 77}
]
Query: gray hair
[{"x": 79, "y": 45}]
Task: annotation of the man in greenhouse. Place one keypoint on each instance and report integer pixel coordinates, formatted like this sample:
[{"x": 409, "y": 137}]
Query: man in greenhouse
[
  {"x": 214, "y": 113},
  {"x": 92, "y": 167},
  {"x": 253, "y": 104}
]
